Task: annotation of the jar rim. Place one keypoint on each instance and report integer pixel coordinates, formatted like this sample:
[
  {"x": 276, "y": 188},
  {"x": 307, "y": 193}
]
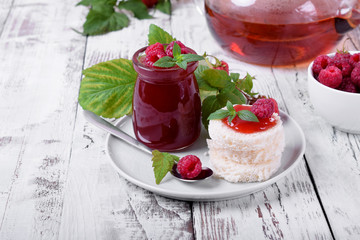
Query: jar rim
[{"x": 143, "y": 67}]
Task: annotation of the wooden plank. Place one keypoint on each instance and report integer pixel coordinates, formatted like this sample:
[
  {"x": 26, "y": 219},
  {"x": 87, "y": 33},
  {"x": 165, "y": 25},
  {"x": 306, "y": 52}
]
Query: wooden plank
[
  {"x": 41, "y": 60},
  {"x": 332, "y": 155},
  {"x": 288, "y": 209},
  {"x": 99, "y": 204},
  {"x": 5, "y": 8}
]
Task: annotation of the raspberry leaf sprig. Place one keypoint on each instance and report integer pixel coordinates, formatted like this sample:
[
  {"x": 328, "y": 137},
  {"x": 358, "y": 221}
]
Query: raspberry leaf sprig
[
  {"x": 231, "y": 113},
  {"x": 158, "y": 35},
  {"x": 106, "y": 15},
  {"x": 179, "y": 59},
  {"x": 162, "y": 163}
]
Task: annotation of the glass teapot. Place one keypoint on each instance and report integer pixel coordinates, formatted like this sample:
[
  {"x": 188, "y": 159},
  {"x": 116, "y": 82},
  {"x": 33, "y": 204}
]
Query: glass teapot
[{"x": 280, "y": 32}]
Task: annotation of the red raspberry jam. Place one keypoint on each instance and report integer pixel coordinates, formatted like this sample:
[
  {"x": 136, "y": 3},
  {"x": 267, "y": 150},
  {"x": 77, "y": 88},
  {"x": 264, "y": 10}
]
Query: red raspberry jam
[
  {"x": 249, "y": 127},
  {"x": 166, "y": 105}
]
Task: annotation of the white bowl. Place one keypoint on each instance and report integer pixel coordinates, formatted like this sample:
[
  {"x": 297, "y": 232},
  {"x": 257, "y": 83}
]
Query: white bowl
[{"x": 340, "y": 109}]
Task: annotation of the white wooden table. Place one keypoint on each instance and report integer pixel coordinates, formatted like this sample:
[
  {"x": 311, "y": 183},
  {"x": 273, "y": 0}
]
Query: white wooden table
[{"x": 56, "y": 181}]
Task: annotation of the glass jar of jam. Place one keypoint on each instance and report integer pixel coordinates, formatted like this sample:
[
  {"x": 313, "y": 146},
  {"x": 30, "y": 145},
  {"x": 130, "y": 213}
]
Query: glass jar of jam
[{"x": 166, "y": 105}]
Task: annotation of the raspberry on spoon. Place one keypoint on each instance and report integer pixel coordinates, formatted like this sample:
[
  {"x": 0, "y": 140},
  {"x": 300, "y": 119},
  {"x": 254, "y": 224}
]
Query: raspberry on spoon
[{"x": 189, "y": 166}]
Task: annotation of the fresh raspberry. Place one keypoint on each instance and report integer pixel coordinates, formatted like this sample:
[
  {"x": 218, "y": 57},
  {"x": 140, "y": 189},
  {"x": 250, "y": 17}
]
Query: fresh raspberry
[
  {"x": 150, "y": 3},
  {"x": 263, "y": 108},
  {"x": 331, "y": 77},
  {"x": 355, "y": 76},
  {"x": 222, "y": 66},
  {"x": 354, "y": 59},
  {"x": 156, "y": 49},
  {"x": 189, "y": 166},
  {"x": 345, "y": 68},
  {"x": 341, "y": 57},
  {"x": 276, "y": 107},
  {"x": 320, "y": 63},
  {"x": 347, "y": 85},
  {"x": 169, "y": 48},
  {"x": 148, "y": 61},
  {"x": 153, "y": 53}
]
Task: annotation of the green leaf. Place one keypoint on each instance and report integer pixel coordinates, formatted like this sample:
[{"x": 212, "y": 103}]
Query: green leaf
[
  {"x": 107, "y": 88},
  {"x": 103, "y": 21},
  {"x": 182, "y": 64},
  {"x": 204, "y": 94},
  {"x": 165, "y": 62},
  {"x": 247, "y": 115},
  {"x": 230, "y": 107},
  {"x": 162, "y": 164},
  {"x": 246, "y": 84},
  {"x": 235, "y": 76},
  {"x": 86, "y": 3},
  {"x": 192, "y": 57},
  {"x": 137, "y": 7},
  {"x": 209, "y": 105},
  {"x": 203, "y": 85},
  {"x": 164, "y": 6},
  {"x": 96, "y": 3},
  {"x": 219, "y": 114},
  {"x": 156, "y": 34},
  {"x": 176, "y": 50},
  {"x": 231, "y": 117},
  {"x": 232, "y": 94},
  {"x": 216, "y": 78}
]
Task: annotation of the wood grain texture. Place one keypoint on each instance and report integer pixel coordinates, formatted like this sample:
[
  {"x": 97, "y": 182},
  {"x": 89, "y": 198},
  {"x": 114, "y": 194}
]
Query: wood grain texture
[
  {"x": 275, "y": 213},
  {"x": 99, "y": 204},
  {"x": 41, "y": 60},
  {"x": 5, "y": 8},
  {"x": 332, "y": 155},
  {"x": 288, "y": 209},
  {"x": 55, "y": 178}
]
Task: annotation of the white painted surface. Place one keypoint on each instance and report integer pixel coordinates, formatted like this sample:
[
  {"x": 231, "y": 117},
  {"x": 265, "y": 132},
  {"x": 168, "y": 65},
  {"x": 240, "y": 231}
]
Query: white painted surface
[{"x": 55, "y": 179}]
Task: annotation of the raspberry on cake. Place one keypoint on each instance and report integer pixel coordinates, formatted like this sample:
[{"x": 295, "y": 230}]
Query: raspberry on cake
[{"x": 245, "y": 151}]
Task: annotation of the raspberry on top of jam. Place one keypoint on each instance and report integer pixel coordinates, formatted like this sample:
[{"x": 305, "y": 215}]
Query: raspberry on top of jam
[{"x": 243, "y": 126}]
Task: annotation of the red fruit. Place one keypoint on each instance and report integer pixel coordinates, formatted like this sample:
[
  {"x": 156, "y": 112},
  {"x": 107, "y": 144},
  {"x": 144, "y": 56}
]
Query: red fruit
[
  {"x": 150, "y": 3},
  {"x": 345, "y": 68},
  {"x": 222, "y": 66},
  {"x": 169, "y": 48},
  {"x": 189, "y": 166},
  {"x": 342, "y": 61},
  {"x": 153, "y": 53},
  {"x": 331, "y": 77},
  {"x": 347, "y": 86},
  {"x": 320, "y": 63},
  {"x": 354, "y": 59},
  {"x": 341, "y": 57},
  {"x": 276, "y": 107},
  {"x": 263, "y": 108},
  {"x": 355, "y": 76}
]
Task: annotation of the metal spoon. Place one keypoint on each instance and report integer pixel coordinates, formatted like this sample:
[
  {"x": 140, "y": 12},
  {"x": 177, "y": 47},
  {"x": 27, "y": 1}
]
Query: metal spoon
[{"x": 115, "y": 131}]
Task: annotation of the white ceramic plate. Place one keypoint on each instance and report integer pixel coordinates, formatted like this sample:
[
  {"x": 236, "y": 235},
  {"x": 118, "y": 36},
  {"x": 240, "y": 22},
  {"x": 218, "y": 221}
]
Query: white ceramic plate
[{"x": 135, "y": 166}]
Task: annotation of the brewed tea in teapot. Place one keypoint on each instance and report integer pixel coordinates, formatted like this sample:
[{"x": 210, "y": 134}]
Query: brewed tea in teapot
[{"x": 280, "y": 32}]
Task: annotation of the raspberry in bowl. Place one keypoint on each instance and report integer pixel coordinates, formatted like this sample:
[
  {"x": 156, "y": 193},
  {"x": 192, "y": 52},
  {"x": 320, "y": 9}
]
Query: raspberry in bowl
[{"x": 334, "y": 89}]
